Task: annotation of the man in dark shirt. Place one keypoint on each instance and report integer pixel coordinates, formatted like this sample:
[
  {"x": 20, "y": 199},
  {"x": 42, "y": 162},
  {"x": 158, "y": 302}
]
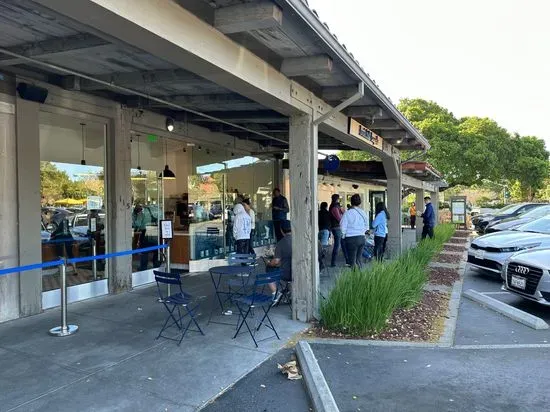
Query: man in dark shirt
[
  {"x": 429, "y": 219},
  {"x": 282, "y": 259},
  {"x": 279, "y": 212}
]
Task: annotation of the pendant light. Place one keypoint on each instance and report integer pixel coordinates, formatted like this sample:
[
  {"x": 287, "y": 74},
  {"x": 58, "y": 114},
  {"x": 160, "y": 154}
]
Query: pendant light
[
  {"x": 140, "y": 175},
  {"x": 166, "y": 174},
  {"x": 83, "y": 160}
]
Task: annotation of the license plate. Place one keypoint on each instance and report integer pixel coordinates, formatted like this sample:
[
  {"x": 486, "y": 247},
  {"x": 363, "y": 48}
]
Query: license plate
[
  {"x": 518, "y": 282},
  {"x": 479, "y": 254}
]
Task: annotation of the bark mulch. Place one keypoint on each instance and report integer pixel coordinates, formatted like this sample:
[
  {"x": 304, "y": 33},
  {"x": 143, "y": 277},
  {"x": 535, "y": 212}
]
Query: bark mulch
[
  {"x": 462, "y": 233},
  {"x": 443, "y": 276},
  {"x": 441, "y": 258},
  {"x": 461, "y": 241},
  {"x": 423, "y": 322},
  {"x": 454, "y": 248}
]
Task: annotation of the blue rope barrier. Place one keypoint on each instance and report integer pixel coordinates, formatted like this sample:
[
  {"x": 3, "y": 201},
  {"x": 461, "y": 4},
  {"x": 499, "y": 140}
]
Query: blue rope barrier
[
  {"x": 31, "y": 267},
  {"x": 116, "y": 254},
  {"x": 59, "y": 262}
]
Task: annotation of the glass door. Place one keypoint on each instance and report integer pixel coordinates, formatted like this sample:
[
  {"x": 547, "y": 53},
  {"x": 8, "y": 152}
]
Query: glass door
[{"x": 374, "y": 198}]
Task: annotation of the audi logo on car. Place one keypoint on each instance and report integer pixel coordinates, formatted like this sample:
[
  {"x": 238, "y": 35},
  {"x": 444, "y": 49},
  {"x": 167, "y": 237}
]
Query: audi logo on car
[{"x": 522, "y": 270}]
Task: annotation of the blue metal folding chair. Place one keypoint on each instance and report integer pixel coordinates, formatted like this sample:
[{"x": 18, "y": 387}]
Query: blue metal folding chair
[
  {"x": 175, "y": 301},
  {"x": 247, "y": 304}
]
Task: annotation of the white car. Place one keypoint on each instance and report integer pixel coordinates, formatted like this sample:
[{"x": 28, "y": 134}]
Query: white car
[
  {"x": 490, "y": 252},
  {"x": 527, "y": 274}
]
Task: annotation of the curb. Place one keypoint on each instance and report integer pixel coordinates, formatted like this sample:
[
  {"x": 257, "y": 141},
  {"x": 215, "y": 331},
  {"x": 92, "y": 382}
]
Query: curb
[
  {"x": 317, "y": 386},
  {"x": 507, "y": 310}
]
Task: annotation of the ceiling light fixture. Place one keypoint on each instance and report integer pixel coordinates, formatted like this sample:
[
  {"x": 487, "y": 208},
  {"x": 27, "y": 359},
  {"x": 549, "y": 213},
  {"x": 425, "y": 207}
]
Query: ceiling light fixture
[
  {"x": 140, "y": 175},
  {"x": 166, "y": 174},
  {"x": 170, "y": 124}
]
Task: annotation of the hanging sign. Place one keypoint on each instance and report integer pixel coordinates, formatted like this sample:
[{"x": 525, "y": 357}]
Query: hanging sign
[
  {"x": 153, "y": 138},
  {"x": 358, "y": 130},
  {"x": 331, "y": 163},
  {"x": 166, "y": 229}
]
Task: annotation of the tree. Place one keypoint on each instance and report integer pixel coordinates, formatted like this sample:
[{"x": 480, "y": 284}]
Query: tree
[{"x": 529, "y": 167}]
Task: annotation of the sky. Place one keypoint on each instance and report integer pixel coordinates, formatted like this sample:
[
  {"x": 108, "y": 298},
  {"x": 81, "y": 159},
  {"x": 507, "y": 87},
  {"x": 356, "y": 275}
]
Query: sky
[{"x": 486, "y": 58}]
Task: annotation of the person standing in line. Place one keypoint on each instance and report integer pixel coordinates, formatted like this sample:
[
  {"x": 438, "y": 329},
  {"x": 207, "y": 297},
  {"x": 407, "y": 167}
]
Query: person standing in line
[
  {"x": 248, "y": 207},
  {"x": 336, "y": 214},
  {"x": 354, "y": 225},
  {"x": 412, "y": 215},
  {"x": 429, "y": 219},
  {"x": 324, "y": 224},
  {"x": 241, "y": 229},
  {"x": 380, "y": 226},
  {"x": 279, "y": 212}
]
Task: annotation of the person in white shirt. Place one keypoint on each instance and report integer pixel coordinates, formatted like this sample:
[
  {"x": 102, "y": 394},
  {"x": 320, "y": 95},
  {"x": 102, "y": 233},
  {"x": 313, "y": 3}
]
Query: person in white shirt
[
  {"x": 354, "y": 224},
  {"x": 248, "y": 207},
  {"x": 241, "y": 229}
]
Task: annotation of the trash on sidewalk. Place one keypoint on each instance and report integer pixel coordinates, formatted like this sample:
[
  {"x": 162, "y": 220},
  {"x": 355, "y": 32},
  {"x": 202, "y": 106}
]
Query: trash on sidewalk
[{"x": 291, "y": 370}]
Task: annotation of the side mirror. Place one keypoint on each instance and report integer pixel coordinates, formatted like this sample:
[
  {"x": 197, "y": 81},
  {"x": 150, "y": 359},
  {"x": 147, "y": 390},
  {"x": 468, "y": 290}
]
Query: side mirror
[{"x": 50, "y": 227}]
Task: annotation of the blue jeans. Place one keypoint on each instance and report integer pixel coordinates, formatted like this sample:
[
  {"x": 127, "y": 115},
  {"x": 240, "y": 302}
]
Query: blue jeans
[
  {"x": 324, "y": 236},
  {"x": 337, "y": 233}
]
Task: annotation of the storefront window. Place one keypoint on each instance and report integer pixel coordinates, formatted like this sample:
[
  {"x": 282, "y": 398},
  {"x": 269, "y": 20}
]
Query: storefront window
[
  {"x": 220, "y": 180},
  {"x": 72, "y": 174}
]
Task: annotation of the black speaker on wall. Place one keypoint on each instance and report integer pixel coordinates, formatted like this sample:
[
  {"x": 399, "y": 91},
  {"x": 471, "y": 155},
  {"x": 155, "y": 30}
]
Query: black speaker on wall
[{"x": 31, "y": 92}]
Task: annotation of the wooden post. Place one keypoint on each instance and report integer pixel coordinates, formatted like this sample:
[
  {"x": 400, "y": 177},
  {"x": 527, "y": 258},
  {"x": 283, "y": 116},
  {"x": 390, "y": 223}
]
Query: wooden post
[
  {"x": 392, "y": 166},
  {"x": 303, "y": 189},
  {"x": 419, "y": 210}
]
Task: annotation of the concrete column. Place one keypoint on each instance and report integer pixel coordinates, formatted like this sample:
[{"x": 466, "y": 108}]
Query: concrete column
[
  {"x": 119, "y": 200},
  {"x": 392, "y": 168},
  {"x": 419, "y": 210},
  {"x": 9, "y": 253},
  {"x": 28, "y": 199},
  {"x": 303, "y": 205},
  {"x": 435, "y": 202}
]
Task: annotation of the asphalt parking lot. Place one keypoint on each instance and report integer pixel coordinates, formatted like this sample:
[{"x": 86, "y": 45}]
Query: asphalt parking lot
[{"x": 478, "y": 325}]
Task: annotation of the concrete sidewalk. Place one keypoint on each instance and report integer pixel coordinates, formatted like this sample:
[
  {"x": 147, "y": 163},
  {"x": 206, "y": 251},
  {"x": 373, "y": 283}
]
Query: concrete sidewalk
[{"x": 115, "y": 363}]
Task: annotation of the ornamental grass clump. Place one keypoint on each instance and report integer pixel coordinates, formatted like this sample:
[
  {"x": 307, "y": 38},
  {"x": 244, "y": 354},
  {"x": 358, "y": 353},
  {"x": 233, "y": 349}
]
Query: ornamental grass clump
[{"x": 364, "y": 299}]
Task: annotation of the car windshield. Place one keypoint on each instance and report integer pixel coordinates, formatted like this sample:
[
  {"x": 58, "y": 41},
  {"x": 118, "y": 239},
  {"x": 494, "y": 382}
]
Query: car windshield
[
  {"x": 509, "y": 209},
  {"x": 539, "y": 211},
  {"x": 541, "y": 225}
]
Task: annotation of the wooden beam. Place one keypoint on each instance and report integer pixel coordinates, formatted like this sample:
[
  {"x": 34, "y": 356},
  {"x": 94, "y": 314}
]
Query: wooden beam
[
  {"x": 247, "y": 17},
  {"x": 367, "y": 112},
  {"x": 383, "y": 124},
  {"x": 208, "y": 102},
  {"x": 55, "y": 47},
  {"x": 307, "y": 66},
  {"x": 136, "y": 79}
]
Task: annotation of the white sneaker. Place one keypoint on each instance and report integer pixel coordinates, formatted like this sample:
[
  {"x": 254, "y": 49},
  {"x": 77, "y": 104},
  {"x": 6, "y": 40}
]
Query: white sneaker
[{"x": 276, "y": 298}]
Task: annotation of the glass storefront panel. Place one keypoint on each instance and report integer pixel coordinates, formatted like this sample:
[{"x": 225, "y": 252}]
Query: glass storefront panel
[
  {"x": 218, "y": 183},
  {"x": 72, "y": 174}
]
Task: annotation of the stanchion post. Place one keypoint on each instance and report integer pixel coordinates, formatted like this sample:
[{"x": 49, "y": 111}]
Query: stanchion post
[
  {"x": 168, "y": 262},
  {"x": 64, "y": 329},
  {"x": 94, "y": 262}
]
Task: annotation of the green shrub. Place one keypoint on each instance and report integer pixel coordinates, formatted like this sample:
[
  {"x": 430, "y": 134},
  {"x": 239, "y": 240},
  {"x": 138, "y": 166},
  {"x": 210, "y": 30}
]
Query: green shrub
[{"x": 363, "y": 300}]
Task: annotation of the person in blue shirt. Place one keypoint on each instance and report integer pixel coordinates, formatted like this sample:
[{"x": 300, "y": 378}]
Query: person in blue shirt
[
  {"x": 380, "y": 226},
  {"x": 280, "y": 209},
  {"x": 428, "y": 218},
  {"x": 354, "y": 225}
]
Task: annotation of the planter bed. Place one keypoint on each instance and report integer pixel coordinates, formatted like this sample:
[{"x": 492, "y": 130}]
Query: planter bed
[
  {"x": 454, "y": 248},
  {"x": 448, "y": 258},
  {"x": 424, "y": 322},
  {"x": 443, "y": 276}
]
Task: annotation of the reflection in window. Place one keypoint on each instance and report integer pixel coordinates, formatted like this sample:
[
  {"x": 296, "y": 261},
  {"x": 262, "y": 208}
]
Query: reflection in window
[{"x": 72, "y": 158}]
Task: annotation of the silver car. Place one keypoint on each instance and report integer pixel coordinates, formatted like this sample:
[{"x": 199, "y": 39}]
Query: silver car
[
  {"x": 527, "y": 274},
  {"x": 489, "y": 252}
]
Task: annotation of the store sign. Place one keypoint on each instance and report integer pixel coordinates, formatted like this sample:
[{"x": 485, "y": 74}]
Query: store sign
[
  {"x": 331, "y": 163},
  {"x": 167, "y": 230},
  {"x": 358, "y": 130}
]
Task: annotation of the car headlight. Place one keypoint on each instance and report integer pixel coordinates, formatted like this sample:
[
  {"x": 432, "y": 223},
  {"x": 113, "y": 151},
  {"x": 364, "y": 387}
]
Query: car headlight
[{"x": 519, "y": 248}]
